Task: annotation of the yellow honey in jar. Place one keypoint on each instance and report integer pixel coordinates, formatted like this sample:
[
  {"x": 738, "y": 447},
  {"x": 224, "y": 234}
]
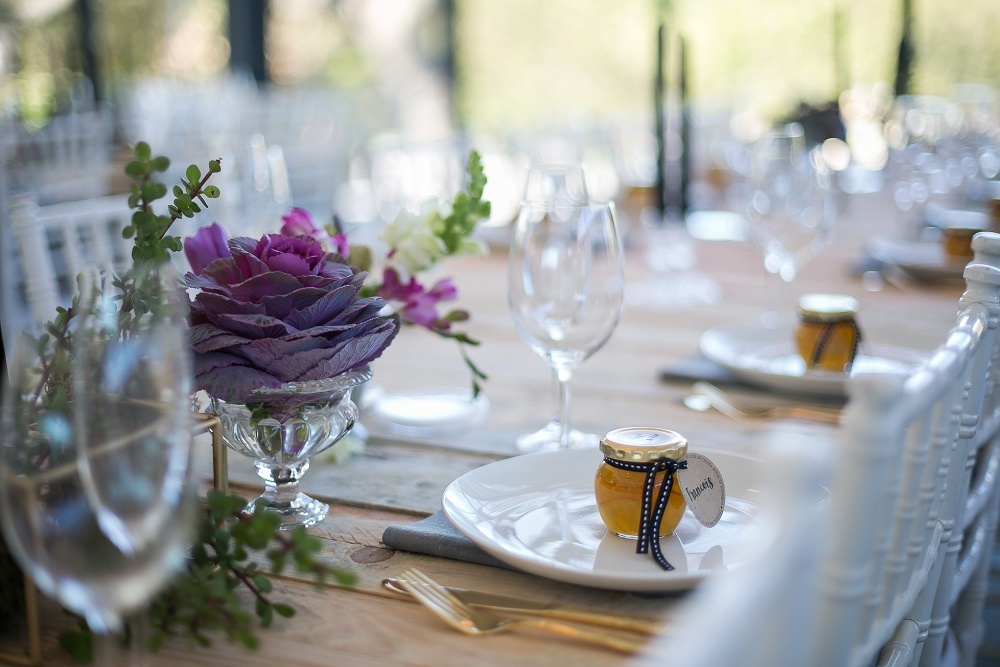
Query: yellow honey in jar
[
  {"x": 827, "y": 336},
  {"x": 619, "y": 492},
  {"x": 957, "y": 241}
]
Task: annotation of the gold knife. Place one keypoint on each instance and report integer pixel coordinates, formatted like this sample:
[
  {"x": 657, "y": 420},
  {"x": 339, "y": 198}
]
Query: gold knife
[{"x": 507, "y": 604}]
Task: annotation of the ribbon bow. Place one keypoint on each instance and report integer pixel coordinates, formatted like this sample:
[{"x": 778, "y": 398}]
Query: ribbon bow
[{"x": 652, "y": 514}]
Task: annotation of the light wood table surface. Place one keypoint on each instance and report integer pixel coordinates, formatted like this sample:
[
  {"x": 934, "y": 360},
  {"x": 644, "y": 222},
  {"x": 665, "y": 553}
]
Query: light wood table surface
[{"x": 398, "y": 480}]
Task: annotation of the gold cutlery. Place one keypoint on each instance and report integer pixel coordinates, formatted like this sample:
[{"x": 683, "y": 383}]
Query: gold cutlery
[
  {"x": 506, "y": 604},
  {"x": 722, "y": 402},
  {"x": 479, "y": 622}
]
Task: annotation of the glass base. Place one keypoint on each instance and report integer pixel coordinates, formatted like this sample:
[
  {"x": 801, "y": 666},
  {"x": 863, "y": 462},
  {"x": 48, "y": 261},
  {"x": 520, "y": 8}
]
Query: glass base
[
  {"x": 546, "y": 439},
  {"x": 425, "y": 412},
  {"x": 301, "y": 510}
]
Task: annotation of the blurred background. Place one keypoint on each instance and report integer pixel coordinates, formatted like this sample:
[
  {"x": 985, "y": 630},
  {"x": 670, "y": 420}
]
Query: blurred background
[
  {"x": 358, "y": 107},
  {"x": 342, "y": 86}
]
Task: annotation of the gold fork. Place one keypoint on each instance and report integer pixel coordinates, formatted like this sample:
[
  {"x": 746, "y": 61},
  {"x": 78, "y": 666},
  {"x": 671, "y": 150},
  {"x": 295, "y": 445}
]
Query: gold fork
[
  {"x": 481, "y": 622},
  {"x": 721, "y": 401}
]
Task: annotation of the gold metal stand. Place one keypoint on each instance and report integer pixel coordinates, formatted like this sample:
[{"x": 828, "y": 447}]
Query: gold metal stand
[
  {"x": 31, "y": 656},
  {"x": 220, "y": 458}
]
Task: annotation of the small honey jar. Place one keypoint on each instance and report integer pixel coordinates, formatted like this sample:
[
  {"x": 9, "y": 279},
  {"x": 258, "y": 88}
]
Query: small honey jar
[
  {"x": 630, "y": 455},
  {"x": 827, "y": 336},
  {"x": 957, "y": 241}
]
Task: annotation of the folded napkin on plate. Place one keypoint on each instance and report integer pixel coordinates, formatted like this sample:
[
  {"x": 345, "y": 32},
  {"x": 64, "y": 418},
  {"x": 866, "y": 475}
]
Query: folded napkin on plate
[
  {"x": 436, "y": 536},
  {"x": 697, "y": 368}
]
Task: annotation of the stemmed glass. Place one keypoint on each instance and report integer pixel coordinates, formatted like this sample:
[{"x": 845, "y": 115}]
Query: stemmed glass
[
  {"x": 564, "y": 287},
  {"x": 548, "y": 183},
  {"x": 94, "y": 461},
  {"x": 790, "y": 213}
]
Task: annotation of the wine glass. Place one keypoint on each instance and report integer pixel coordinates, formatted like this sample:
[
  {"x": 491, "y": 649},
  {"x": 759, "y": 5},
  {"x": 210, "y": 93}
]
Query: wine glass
[
  {"x": 791, "y": 219},
  {"x": 547, "y": 183},
  {"x": 132, "y": 386},
  {"x": 94, "y": 462},
  {"x": 915, "y": 133},
  {"x": 565, "y": 286}
]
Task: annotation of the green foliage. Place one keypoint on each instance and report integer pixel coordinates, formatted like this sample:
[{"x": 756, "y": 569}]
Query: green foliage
[
  {"x": 206, "y": 597},
  {"x": 467, "y": 208},
  {"x": 152, "y": 243}
]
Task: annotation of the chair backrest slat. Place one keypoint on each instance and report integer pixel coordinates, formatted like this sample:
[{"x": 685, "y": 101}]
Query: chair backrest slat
[{"x": 56, "y": 242}]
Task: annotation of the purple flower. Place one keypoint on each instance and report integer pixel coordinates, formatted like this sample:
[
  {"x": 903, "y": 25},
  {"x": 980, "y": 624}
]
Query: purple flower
[
  {"x": 298, "y": 222},
  {"x": 280, "y": 310},
  {"x": 207, "y": 245},
  {"x": 420, "y": 304}
]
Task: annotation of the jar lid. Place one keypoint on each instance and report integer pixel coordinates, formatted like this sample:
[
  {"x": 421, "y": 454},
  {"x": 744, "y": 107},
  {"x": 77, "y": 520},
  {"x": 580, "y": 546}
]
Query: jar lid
[
  {"x": 641, "y": 444},
  {"x": 828, "y": 307}
]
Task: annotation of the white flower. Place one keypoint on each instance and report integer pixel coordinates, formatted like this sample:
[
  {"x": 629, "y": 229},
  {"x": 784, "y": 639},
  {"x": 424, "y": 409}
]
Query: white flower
[
  {"x": 414, "y": 242},
  {"x": 471, "y": 247}
]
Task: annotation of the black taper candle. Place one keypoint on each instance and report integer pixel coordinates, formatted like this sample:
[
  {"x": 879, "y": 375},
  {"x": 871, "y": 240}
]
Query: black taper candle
[
  {"x": 660, "y": 120},
  {"x": 685, "y": 166}
]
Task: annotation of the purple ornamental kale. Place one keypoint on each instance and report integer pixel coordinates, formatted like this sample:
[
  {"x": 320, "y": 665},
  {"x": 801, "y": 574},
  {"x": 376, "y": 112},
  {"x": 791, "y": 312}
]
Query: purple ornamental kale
[{"x": 280, "y": 310}]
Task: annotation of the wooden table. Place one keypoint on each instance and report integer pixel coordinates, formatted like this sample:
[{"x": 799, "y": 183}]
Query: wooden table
[{"x": 398, "y": 480}]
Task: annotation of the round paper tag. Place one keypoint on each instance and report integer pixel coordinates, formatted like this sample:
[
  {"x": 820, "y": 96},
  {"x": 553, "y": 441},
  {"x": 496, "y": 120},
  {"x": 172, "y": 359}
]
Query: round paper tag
[{"x": 703, "y": 489}]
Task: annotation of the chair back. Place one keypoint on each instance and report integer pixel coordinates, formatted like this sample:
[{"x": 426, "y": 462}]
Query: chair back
[
  {"x": 901, "y": 488},
  {"x": 893, "y": 571},
  {"x": 53, "y": 244},
  {"x": 68, "y": 159}
]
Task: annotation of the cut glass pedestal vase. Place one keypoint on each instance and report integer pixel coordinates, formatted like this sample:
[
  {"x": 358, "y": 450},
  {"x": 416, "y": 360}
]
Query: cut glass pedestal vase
[{"x": 300, "y": 419}]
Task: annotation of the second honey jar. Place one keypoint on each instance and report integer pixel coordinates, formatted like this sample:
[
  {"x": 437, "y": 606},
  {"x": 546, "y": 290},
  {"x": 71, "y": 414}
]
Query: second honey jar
[{"x": 827, "y": 336}]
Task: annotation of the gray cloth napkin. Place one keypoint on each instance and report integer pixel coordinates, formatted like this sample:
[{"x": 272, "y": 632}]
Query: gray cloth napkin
[
  {"x": 697, "y": 368},
  {"x": 436, "y": 536}
]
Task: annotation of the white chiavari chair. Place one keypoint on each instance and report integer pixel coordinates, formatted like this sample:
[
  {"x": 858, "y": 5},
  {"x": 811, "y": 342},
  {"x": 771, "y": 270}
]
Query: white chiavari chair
[
  {"x": 67, "y": 159},
  {"x": 55, "y": 243},
  {"x": 893, "y": 571},
  {"x": 894, "y": 563}
]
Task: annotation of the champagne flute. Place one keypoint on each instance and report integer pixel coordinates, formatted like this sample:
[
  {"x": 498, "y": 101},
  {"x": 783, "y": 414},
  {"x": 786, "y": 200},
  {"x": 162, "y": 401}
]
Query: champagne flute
[
  {"x": 565, "y": 284},
  {"x": 547, "y": 183},
  {"x": 94, "y": 456},
  {"x": 791, "y": 219}
]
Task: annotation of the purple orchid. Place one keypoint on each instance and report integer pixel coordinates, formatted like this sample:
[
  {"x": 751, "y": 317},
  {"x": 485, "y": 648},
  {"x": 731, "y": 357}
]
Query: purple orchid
[
  {"x": 280, "y": 310},
  {"x": 420, "y": 303},
  {"x": 207, "y": 245}
]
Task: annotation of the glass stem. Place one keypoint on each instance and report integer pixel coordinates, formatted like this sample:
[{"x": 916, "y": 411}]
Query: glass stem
[
  {"x": 564, "y": 375},
  {"x": 556, "y": 393}
]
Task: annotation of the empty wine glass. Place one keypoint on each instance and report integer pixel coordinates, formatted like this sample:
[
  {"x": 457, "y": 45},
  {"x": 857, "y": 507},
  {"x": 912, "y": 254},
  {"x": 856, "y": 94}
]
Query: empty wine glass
[
  {"x": 548, "y": 183},
  {"x": 790, "y": 213},
  {"x": 131, "y": 388},
  {"x": 94, "y": 460},
  {"x": 565, "y": 285}
]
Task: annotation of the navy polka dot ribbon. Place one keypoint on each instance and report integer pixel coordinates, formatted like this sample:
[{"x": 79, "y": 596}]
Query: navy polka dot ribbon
[
  {"x": 824, "y": 339},
  {"x": 652, "y": 513}
]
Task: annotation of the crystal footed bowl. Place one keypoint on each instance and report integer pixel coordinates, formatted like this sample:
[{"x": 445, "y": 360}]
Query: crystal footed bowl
[{"x": 281, "y": 428}]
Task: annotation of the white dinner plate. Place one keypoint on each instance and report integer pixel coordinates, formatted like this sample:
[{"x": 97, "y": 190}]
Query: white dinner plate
[
  {"x": 537, "y": 512},
  {"x": 767, "y": 357},
  {"x": 924, "y": 261}
]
